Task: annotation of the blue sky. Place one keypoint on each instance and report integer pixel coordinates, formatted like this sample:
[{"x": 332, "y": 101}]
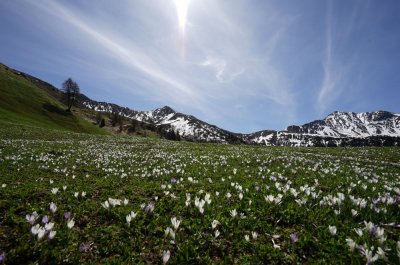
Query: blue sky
[{"x": 243, "y": 65}]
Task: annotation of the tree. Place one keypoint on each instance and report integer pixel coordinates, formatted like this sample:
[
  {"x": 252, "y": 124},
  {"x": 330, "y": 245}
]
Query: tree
[
  {"x": 71, "y": 90},
  {"x": 98, "y": 118},
  {"x": 134, "y": 125},
  {"x": 115, "y": 119},
  {"x": 102, "y": 123}
]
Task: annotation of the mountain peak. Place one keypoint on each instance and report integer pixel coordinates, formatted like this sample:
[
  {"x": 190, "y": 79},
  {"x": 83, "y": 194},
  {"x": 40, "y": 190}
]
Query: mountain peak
[
  {"x": 167, "y": 109},
  {"x": 164, "y": 111}
]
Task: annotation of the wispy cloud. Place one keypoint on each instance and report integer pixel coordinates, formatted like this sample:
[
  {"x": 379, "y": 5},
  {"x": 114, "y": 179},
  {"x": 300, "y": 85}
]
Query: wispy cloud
[
  {"x": 128, "y": 55},
  {"x": 219, "y": 62},
  {"x": 330, "y": 88},
  {"x": 337, "y": 70},
  {"x": 223, "y": 73},
  {"x": 274, "y": 59}
]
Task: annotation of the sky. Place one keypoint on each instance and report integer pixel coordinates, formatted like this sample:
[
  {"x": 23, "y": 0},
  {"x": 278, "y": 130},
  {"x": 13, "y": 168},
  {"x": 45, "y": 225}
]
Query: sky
[{"x": 243, "y": 65}]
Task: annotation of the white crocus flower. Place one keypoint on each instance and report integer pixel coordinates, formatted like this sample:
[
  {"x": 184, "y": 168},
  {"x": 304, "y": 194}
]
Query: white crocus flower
[
  {"x": 354, "y": 213},
  {"x": 166, "y": 256},
  {"x": 53, "y": 207},
  {"x": 49, "y": 226},
  {"x": 171, "y": 232},
  {"x": 233, "y": 213},
  {"x": 207, "y": 198},
  {"x": 35, "y": 229},
  {"x": 359, "y": 231},
  {"x": 332, "y": 230},
  {"x": 128, "y": 219},
  {"x": 175, "y": 222},
  {"x": 370, "y": 257},
  {"x": 71, "y": 223},
  {"x": 133, "y": 214},
  {"x": 352, "y": 245},
  {"x": 32, "y": 218},
  {"x": 381, "y": 253},
  {"x": 105, "y": 205},
  {"x": 41, "y": 233},
  {"x": 269, "y": 198},
  {"x": 52, "y": 234},
  {"x": 214, "y": 224}
]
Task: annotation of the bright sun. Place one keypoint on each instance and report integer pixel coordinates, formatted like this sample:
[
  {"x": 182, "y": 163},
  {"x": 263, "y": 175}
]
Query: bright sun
[{"x": 181, "y": 9}]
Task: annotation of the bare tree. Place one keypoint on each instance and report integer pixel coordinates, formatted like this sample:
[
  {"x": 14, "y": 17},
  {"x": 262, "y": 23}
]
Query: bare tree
[{"x": 71, "y": 90}]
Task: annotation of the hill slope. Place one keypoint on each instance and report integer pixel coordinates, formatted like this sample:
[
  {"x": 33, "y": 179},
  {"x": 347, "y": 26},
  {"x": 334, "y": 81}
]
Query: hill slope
[{"x": 26, "y": 100}]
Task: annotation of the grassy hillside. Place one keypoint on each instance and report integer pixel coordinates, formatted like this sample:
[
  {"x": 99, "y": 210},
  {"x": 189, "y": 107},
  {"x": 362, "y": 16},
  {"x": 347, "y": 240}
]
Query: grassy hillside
[{"x": 22, "y": 102}]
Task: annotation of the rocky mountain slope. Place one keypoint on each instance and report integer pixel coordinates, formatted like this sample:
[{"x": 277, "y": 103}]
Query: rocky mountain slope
[
  {"x": 350, "y": 124},
  {"x": 188, "y": 127},
  {"x": 337, "y": 129}
]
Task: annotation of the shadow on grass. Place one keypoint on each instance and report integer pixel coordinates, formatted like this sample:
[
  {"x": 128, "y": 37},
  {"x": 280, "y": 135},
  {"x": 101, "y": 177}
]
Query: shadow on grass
[{"x": 54, "y": 109}]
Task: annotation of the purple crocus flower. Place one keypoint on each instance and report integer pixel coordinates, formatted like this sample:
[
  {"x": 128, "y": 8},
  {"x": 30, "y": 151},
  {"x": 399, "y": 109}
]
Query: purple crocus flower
[
  {"x": 294, "y": 238},
  {"x": 373, "y": 230},
  {"x": 149, "y": 208},
  {"x": 2, "y": 256},
  {"x": 45, "y": 219},
  {"x": 375, "y": 201},
  {"x": 85, "y": 247},
  {"x": 67, "y": 215},
  {"x": 257, "y": 188},
  {"x": 173, "y": 180}
]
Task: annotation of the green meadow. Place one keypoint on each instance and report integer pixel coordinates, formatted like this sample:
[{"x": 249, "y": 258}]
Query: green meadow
[{"x": 75, "y": 198}]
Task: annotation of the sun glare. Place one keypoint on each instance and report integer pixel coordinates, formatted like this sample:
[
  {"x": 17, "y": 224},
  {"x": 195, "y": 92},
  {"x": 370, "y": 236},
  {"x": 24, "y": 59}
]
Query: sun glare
[{"x": 181, "y": 9}]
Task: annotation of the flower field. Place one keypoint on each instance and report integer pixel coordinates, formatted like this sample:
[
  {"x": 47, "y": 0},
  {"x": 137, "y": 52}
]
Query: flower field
[{"x": 76, "y": 198}]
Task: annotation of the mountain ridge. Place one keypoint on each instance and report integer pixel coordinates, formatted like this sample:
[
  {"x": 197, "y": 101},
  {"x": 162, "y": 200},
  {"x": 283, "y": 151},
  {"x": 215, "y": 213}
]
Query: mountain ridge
[{"x": 336, "y": 129}]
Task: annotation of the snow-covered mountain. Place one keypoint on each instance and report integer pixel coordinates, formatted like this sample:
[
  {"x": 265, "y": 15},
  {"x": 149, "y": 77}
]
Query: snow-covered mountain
[
  {"x": 188, "y": 127},
  {"x": 350, "y": 124},
  {"x": 337, "y": 129}
]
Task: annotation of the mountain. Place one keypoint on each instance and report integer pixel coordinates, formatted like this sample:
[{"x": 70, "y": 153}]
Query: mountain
[
  {"x": 26, "y": 99},
  {"x": 188, "y": 127},
  {"x": 350, "y": 124},
  {"x": 337, "y": 129},
  {"x": 379, "y": 128}
]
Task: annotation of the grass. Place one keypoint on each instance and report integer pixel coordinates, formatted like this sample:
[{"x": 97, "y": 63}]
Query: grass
[
  {"x": 279, "y": 193},
  {"x": 22, "y": 102}
]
